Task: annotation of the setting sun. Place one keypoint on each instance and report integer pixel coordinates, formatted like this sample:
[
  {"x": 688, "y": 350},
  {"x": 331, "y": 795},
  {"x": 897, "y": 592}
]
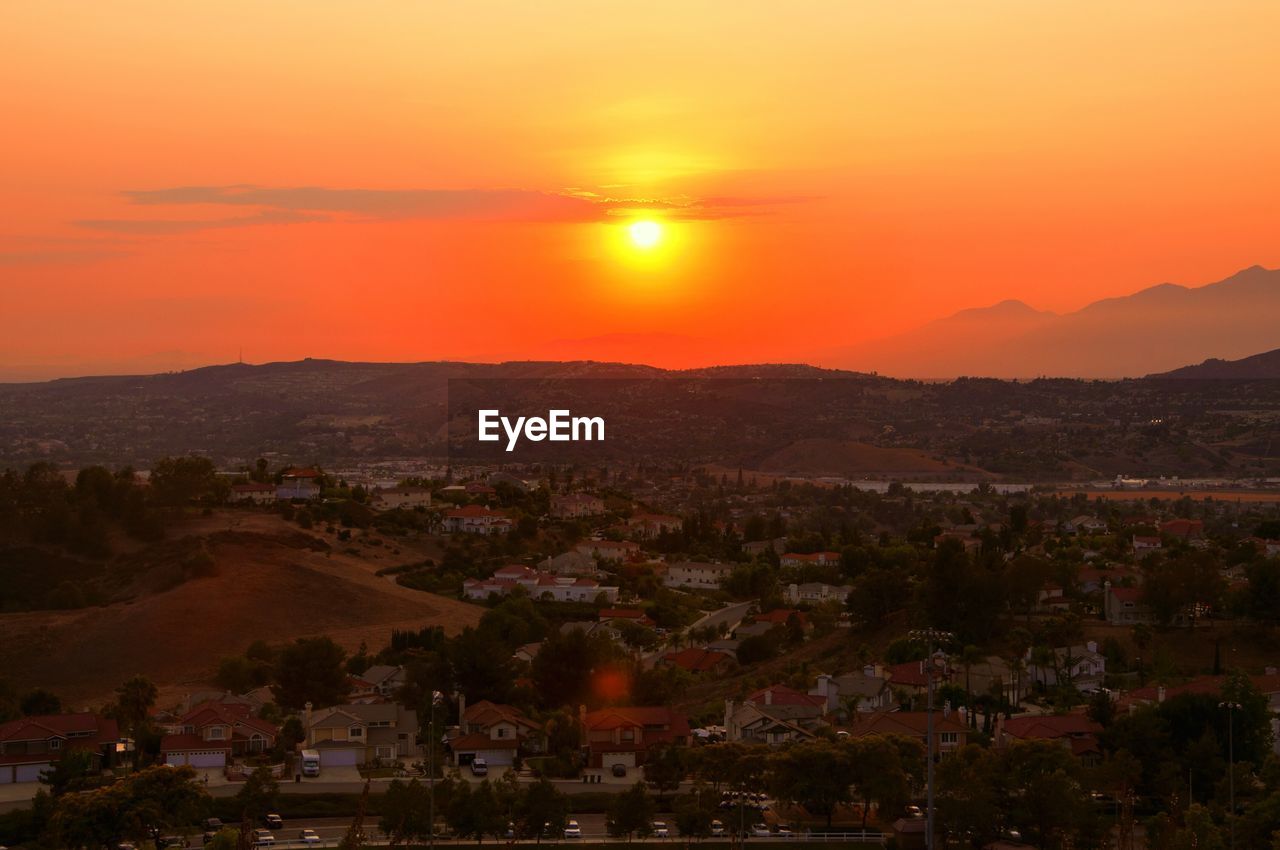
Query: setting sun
[{"x": 645, "y": 234}]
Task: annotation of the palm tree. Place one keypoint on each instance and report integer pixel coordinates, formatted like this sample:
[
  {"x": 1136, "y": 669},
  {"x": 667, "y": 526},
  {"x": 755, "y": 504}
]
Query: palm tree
[{"x": 970, "y": 656}]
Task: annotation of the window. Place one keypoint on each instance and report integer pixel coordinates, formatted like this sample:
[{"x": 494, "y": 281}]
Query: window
[
  {"x": 355, "y": 732},
  {"x": 628, "y": 734},
  {"x": 217, "y": 733},
  {"x": 55, "y": 743},
  {"x": 950, "y": 738}
]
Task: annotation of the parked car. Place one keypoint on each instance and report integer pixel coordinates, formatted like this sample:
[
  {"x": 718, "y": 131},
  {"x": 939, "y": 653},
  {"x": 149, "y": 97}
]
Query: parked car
[
  {"x": 263, "y": 838},
  {"x": 761, "y": 830},
  {"x": 309, "y": 837},
  {"x": 274, "y": 821},
  {"x": 572, "y": 830},
  {"x": 660, "y": 829},
  {"x": 619, "y": 769},
  {"x": 784, "y": 831},
  {"x": 717, "y": 829},
  {"x": 479, "y": 767}
]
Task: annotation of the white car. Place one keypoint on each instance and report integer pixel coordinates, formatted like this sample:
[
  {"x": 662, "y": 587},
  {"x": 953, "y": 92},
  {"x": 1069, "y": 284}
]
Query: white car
[
  {"x": 660, "y": 829},
  {"x": 761, "y": 830},
  {"x": 262, "y": 838},
  {"x": 785, "y": 832},
  {"x": 309, "y": 837},
  {"x": 717, "y": 829},
  {"x": 572, "y": 830}
]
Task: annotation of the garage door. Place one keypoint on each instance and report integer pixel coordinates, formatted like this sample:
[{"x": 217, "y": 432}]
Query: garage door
[
  {"x": 30, "y": 772},
  {"x": 338, "y": 758},
  {"x": 213, "y": 759},
  {"x": 610, "y": 759},
  {"x": 6, "y": 775},
  {"x": 497, "y": 758},
  {"x": 175, "y": 759}
]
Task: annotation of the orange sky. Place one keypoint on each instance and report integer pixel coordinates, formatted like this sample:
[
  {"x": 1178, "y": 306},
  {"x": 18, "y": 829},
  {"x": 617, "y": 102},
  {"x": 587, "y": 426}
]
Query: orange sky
[{"x": 415, "y": 180}]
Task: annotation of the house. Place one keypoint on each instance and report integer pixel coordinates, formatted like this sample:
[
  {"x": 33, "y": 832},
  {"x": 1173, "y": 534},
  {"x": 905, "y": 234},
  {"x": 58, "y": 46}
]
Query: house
[
  {"x": 950, "y": 732},
  {"x": 625, "y": 615},
  {"x": 651, "y": 525},
  {"x": 912, "y": 677},
  {"x": 1183, "y": 529},
  {"x": 1075, "y": 731},
  {"x": 1084, "y": 525},
  {"x": 816, "y": 593},
  {"x": 699, "y": 661},
  {"x": 212, "y": 734},
  {"x": 494, "y": 732},
  {"x": 697, "y": 574},
  {"x": 782, "y": 618},
  {"x": 576, "y": 506},
  {"x": 758, "y": 724},
  {"x": 31, "y": 745},
  {"x": 539, "y": 585},
  {"x": 361, "y": 734},
  {"x": 756, "y": 547},
  {"x": 402, "y": 497},
  {"x": 1083, "y": 666},
  {"x": 615, "y": 551},
  {"x": 298, "y": 484},
  {"x": 476, "y": 519},
  {"x": 527, "y": 652},
  {"x": 793, "y": 559},
  {"x": 625, "y": 734},
  {"x": 774, "y": 715},
  {"x": 254, "y": 492},
  {"x": 572, "y": 563},
  {"x": 1144, "y": 545},
  {"x": 965, "y": 538},
  {"x": 862, "y": 690},
  {"x": 1124, "y": 606},
  {"x": 385, "y": 679}
]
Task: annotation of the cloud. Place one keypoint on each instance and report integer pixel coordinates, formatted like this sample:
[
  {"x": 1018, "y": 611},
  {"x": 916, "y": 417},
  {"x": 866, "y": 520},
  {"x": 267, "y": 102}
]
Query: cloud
[
  {"x": 295, "y": 204},
  {"x": 166, "y": 226}
]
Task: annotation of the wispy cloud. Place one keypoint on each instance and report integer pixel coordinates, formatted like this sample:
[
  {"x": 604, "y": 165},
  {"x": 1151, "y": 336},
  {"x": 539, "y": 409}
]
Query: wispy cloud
[
  {"x": 288, "y": 205},
  {"x": 164, "y": 226}
]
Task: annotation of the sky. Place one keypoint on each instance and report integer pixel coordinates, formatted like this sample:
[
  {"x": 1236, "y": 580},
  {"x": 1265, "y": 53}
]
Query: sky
[{"x": 192, "y": 183}]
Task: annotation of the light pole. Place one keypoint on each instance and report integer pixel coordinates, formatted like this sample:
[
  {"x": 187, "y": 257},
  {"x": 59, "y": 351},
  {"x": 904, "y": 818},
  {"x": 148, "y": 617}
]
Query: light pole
[
  {"x": 436, "y": 699},
  {"x": 931, "y": 638},
  {"x": 1232, "y": 708}
]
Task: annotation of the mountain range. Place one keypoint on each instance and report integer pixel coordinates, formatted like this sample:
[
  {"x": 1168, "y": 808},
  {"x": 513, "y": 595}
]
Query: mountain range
[{"x": 1154, "y": 330}]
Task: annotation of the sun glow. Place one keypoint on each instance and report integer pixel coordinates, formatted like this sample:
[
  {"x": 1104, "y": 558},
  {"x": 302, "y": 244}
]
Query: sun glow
[{"x": 645, "y": 234}]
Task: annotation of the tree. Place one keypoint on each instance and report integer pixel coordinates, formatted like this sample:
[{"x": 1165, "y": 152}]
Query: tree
[
  {"x": 475, "y": 813},
  {"x": 631, "y": 812},
  {"x": 259, "y": 796},
  {"x": 404, "y": 812},
  {"x": 39, "y": 701},
  {"x": 134, "y": 701},
  {"x": 541, "y": 808},
  {"x": 310, "y": 670},
  {"x": 815, "y": 775},
  {"x": 177, "y": 481},
  {"x": 69, "y": 773},
  {"x": 694, "y": 813},
  {"x": 664, "y": 769},
  {"x": 877, "y": 774}
]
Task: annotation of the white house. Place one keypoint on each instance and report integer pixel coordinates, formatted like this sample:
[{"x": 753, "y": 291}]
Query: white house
[
  {"x": 697, "y": 574},
  {"x": 475, "y": 519}
]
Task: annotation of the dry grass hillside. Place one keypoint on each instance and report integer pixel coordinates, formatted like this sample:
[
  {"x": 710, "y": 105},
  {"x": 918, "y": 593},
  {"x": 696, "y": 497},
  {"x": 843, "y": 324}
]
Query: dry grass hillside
[{"x": 270, "y": 581}]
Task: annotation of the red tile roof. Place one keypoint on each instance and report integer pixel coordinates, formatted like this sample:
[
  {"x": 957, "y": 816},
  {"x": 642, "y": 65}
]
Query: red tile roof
[{"x": 782, "y": 695}]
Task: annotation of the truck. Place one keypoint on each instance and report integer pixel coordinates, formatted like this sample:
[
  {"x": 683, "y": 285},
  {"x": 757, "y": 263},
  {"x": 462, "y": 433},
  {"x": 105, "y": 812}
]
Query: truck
[{"x": 310, "y": 762}]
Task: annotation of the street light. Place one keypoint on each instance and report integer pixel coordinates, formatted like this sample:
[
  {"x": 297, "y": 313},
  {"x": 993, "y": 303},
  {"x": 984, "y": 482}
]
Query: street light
[
  {"x": 436, "y": 699},
  {"x": 931, "y": 638},
  {"x": 1232, "y": 708}
]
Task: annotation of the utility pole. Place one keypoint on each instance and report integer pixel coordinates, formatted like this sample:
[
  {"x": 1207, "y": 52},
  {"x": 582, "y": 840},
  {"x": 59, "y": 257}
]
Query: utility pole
[
  {"x": 1232, "y": 708},
  {"x": 931, "y": 638},
  {"x": 436, "y": 699}
]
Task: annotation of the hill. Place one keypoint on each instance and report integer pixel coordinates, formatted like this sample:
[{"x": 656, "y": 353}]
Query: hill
[
  {"x": 269, "y": 582},
  {"x": 1152, "y": 330},
  {"x": 1265, "y": 366},
  {"x": 849, "y": 458}
]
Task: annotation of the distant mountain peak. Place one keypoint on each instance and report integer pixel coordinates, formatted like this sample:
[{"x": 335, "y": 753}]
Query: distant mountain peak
[{"x": 1008, "y": 309}]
